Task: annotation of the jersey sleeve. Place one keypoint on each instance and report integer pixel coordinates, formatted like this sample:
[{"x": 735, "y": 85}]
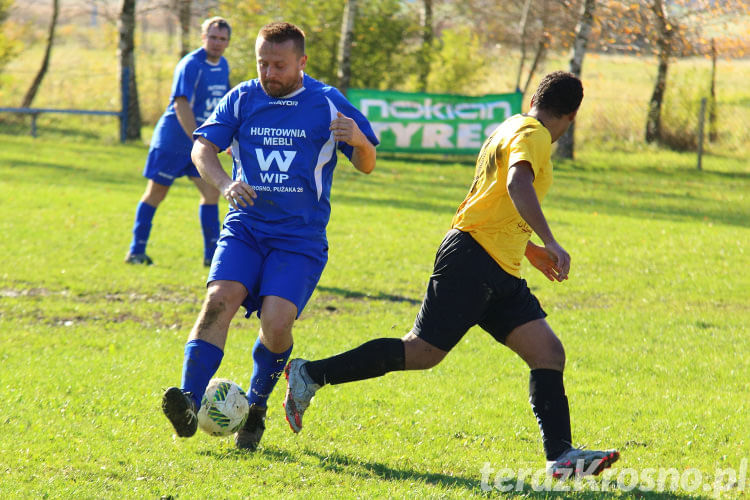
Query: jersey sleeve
[
  {"x": 185, "y": 79},
  {"x": 221, "y": 126},
  {"x": 347, "y": 109},
  {"x": 532, "y": 146}
]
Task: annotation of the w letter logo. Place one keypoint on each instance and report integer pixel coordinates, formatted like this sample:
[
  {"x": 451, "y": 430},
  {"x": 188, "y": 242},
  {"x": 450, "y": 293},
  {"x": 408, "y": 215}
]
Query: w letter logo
[{"x": 275, "y": 156}]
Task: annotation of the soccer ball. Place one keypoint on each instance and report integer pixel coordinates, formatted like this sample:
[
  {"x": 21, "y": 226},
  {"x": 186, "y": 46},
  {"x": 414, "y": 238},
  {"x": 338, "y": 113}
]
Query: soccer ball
[{"x": 224, "y": 408}]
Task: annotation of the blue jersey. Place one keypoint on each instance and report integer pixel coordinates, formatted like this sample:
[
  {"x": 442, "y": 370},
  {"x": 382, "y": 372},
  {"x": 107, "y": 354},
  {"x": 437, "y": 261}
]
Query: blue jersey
[
  {"x": 284, "y": 149},
  {"x": 203, "y": 84}
]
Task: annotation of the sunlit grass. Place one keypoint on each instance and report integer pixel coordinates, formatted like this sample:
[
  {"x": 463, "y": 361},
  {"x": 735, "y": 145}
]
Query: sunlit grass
[{"x": 654, "y": 321}]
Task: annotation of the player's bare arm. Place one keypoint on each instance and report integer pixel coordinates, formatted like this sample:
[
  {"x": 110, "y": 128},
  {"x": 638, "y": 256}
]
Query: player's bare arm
[
  {"x": 521, "y": 191},
  {"x": 185, "y": 115},
  {"x": 206, "y": 159},
  {"x": 345, "y": 129}
]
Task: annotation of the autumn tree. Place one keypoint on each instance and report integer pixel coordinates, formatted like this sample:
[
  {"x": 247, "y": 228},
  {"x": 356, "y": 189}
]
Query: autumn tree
[
  {"x": 8, "y": 46},
  {"x": 343, "y": 66},
  {"x": 37, "y": 81},
  {"x": 425, "y": 54},
  {"x": 566, "y": 143},
  {"x": 126, "y": 53},
  {"x": 183, "y": 9},
  {"x": 378, "y": 57},
  {"x": 667, "y": 30}
]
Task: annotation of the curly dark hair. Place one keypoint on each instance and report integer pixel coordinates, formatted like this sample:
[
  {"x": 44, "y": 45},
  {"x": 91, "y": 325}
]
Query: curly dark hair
[
  {"x": 559, "y": 92},
  {"x": 280, "y": 32}
]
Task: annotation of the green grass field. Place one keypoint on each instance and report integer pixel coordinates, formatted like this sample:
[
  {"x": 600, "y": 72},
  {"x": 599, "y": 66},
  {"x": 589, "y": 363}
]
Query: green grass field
[{"x": 654, "y": 320}]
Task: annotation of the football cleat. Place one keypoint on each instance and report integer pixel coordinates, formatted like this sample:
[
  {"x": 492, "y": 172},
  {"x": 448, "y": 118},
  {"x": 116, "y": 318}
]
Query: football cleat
[
  {"x": 180, "y": 409},
  {"x": 249, "y": 436},
  {"x": 577, "y": 462},
  {"x": 300, "y": 390},
  {"x": 138, "y": 258}
]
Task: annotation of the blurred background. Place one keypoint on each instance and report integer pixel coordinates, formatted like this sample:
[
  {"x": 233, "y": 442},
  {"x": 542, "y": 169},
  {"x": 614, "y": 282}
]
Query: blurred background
[{"x": 646, "y": 69}]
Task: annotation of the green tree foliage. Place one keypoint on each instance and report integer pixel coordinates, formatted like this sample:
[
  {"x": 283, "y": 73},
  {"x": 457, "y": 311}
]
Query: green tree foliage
[
  {"x": 458, "y": 61},
  {"x": 8, "y": 46},
  {"x": 377, "y": 53},
  {"x": 380, "y": 52},
  {"x": 319, "y": 19}
]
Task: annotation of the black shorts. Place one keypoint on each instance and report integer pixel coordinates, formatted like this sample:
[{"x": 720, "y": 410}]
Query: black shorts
[{"x": 468, "y": 288}]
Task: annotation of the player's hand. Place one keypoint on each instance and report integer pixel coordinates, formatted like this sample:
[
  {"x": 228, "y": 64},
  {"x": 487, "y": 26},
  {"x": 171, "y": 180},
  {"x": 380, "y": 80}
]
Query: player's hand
[
  {"x": 552, "y": 260},
  {"x": 238, "y": 194},
  {"x": 345, "y": 129}
]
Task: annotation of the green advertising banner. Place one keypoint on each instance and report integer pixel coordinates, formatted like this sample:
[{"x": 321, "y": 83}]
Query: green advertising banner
[{"x": 433, "y": 123}]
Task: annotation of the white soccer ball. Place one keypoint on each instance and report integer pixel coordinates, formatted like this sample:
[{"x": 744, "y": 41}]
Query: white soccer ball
[{"x": 224, "y": 408}]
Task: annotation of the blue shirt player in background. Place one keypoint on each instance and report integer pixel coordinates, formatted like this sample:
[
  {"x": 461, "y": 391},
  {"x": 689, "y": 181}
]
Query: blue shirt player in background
[
  {"x": 201, "y": 79},
  {"x": 284, "y": 128}
]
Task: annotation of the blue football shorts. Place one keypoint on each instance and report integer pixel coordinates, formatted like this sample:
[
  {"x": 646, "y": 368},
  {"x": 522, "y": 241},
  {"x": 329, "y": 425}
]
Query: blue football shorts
[
  {"x": 468, "y": 288},
  {"x": 164, "y": 166},
  {"x": 256, "y": 261}
]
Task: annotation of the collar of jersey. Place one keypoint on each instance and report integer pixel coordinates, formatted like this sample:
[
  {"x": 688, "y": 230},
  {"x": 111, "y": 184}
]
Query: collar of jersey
[{"x": 296, "y": 92}]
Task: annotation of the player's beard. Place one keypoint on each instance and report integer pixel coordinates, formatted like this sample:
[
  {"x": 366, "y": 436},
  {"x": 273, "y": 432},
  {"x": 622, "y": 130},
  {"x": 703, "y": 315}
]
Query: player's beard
[{"x": 279, "y": 89}]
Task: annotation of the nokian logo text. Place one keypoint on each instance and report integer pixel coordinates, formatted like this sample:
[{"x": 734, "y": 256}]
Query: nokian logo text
[{"x": 284, "y": 103}]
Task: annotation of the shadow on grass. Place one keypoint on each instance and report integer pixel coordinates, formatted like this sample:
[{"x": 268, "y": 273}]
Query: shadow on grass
[
  {"x": 641, "y": 195},
  {"x": 340, "y": 463},
  {"x": 348, "y": 294}
]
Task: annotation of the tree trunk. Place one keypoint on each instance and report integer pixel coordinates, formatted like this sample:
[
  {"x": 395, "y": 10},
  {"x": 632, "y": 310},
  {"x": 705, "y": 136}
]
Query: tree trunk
[
  {"x": 713, "y": 133},
  {"x": 425, "y": 53},
  {"x": 541, "y": 51},
  {"x": 126, "y": 53},
  {"x": 566, "y": 143},
  {"x": 184, "y": 14},
  {"x": 523, "y": 28},
  {"x": 37, "y": 82},
  {"x": 343, "y": 70},
  {"x": 653, "y": 124}
]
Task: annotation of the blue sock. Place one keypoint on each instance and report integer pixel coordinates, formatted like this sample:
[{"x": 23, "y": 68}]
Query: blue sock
[
  {"x": 209, "y": 215},
  {"x": 202, "y": 359},
  {"x": 144, "y": 214},
  {"x": 268, "y": 368}
]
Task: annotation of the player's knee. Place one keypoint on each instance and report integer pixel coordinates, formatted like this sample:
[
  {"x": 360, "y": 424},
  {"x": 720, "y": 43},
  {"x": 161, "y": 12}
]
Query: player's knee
[
  {"x": 551, "y": 354},
  {"x": 219, "y": 302},
  {"x": 276, "y": 326},
  {"x": 425, "y": 361},
  {"x": 420, "y": 355}
]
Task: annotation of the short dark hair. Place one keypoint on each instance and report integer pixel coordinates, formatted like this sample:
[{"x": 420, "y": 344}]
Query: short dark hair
[
  {"x": 559, "y": 92},
  {"x": 280, "y": 32},
  {"x": 217, "y": 21}
]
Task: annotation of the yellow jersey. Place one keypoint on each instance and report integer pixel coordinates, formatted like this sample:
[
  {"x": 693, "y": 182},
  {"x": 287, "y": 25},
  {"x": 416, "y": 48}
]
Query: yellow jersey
[{"x": 487, "y": 212}]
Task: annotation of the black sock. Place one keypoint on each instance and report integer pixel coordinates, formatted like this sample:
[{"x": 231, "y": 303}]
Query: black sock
[
  {"x": 371, "y": 359},
  {"x": 550, "y": 406}
]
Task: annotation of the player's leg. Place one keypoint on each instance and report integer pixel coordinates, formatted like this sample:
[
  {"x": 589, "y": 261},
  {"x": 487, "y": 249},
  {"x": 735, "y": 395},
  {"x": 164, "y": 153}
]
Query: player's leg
[
  {"x": 288, "y": 280},
  {"x": 539, "y": 347},
  {"x": 208, "y": 213},
  {"x": 272, "y": 348},
  {"x": 203, "y": 353},
  {"x": 144, "y": 216},
  {"x": 231, "y": 281},
  {"x": 454, "y": 302},
  {"x": 156, "y": 170},
  {"x": 270, "y": 354}
]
